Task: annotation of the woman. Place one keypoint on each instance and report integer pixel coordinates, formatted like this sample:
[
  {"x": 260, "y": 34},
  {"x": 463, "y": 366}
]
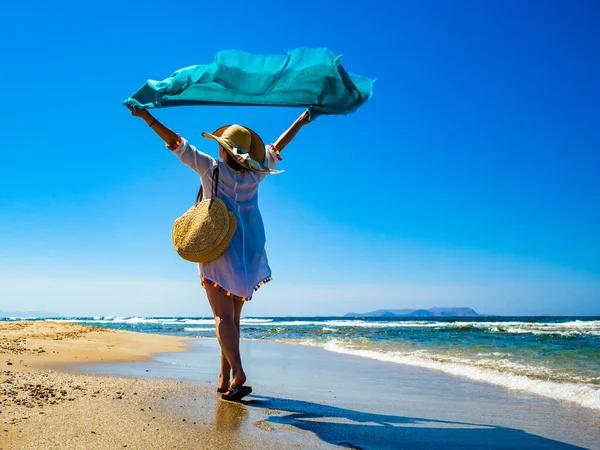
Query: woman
[{"x": 231, "y": 279}]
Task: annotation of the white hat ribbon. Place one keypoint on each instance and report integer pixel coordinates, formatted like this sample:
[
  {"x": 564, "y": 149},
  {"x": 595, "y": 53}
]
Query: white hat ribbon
[{"x": 242, "y": 156}]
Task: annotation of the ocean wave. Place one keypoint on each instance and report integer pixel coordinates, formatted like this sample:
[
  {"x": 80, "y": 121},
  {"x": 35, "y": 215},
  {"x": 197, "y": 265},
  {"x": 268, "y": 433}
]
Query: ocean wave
[
  {"x": 572, "y": 328},
  {"x": 338, "y": 323},
  {"x": 137, "y": 320},
  {"x": 582, "y": 394},
  {"x": 18, "y": 318},
  {"x": 198, "y": 329},
  {"x": 255, "y": 321},
  {"x": 197, "y": 322}
]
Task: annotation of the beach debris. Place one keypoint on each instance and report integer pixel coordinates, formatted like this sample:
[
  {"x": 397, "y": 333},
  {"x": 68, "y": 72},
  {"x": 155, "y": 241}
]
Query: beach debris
[{"x": 264, "y": 425}]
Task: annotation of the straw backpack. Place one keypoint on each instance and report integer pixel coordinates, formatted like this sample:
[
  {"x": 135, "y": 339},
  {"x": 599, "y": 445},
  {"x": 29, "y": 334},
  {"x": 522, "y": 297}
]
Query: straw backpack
[{"x": 205, "y": 230}]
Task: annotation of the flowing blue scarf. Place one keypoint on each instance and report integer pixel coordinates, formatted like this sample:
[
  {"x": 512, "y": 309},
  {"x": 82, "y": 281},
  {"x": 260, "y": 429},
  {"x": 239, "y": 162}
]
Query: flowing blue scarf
[{"x": 309, "y": 78}]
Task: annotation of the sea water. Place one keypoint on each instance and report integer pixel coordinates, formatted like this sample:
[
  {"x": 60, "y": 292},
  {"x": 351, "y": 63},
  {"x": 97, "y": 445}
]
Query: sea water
[{"x": 556, "y": 357}]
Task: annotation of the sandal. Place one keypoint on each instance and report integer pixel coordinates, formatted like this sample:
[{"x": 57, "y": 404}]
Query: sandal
[{"x": 236, "y": 394}]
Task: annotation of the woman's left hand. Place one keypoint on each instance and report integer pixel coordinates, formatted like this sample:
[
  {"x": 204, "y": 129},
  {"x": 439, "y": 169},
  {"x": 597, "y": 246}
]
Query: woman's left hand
[{"x": 304, "y": 118}]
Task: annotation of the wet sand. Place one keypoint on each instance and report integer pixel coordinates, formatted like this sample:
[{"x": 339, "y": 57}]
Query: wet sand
[{"x": 339, "y": 400}]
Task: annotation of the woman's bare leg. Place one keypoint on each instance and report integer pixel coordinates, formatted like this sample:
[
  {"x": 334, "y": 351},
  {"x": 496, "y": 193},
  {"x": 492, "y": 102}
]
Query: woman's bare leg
[
  {"x": 224, "y": 311},
  {"x": 225, "y": 374}
]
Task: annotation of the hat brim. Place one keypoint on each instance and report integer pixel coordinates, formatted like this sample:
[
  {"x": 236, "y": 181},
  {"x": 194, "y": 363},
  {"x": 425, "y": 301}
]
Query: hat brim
[{"x": 257, "y": 146}]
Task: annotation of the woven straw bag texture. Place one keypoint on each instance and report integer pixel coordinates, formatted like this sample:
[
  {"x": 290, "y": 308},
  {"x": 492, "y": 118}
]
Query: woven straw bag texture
[{"x": 204, "y": 231}]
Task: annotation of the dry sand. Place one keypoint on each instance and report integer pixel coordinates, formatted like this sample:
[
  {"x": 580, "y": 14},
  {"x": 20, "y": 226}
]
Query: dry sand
[{"x": 43, "y": 406}]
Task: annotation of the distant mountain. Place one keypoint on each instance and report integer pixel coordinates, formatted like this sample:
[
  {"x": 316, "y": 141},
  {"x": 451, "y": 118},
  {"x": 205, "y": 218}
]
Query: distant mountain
[
  {"x": 453, "y": 312},
  {"x": 28, "y": 314},
  {"x": 431, "y": 312}
]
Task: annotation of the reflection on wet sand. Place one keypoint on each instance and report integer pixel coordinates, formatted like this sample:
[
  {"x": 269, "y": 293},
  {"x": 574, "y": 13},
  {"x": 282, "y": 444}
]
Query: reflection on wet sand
[{"x": 230, "y": 418}]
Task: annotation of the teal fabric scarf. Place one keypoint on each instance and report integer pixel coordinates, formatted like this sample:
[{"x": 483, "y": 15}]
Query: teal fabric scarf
[{"x": 309, "y": 78}]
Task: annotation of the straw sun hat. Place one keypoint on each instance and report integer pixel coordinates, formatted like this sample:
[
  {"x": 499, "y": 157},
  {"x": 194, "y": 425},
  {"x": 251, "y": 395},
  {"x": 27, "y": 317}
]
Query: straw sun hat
[{"x": 244, "y": 145}]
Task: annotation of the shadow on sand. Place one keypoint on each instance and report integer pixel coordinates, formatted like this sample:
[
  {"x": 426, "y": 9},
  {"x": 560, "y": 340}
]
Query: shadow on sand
[{"x": 363, "y": 430}]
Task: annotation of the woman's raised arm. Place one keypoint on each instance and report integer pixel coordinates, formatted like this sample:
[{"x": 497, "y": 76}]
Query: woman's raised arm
[
  {"x": 165, "y": 133},
  {"x": 198, "y": 161},
  {"x": 291, "y": 132}
]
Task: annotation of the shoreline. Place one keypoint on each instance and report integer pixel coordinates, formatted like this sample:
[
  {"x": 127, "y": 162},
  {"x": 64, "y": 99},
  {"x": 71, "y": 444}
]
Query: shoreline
[
  {"x": 503, "y": 360},
  {"x": 315, "y": 387},
  {"x": 539, "y": 388},
  {"x": 44, "y": 404},
  {"x": 304, "y": 397}
]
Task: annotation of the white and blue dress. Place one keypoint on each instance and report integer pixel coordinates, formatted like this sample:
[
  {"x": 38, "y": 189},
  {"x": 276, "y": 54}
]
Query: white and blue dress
[{"x": 243, "y": 267}]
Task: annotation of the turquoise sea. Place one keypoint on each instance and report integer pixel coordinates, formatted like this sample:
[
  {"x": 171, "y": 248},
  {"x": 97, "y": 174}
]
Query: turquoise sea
[{"x": 556, "y": 357}]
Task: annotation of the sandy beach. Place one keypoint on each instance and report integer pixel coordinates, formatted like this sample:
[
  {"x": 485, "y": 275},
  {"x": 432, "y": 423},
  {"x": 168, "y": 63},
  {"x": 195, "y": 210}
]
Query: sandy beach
[
  {"x": 146, "y": 391},
  {"x": 44, "y": 406}
]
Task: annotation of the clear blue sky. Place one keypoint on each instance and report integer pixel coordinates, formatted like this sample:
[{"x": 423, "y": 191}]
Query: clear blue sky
[{"x": 472, "y": 177}]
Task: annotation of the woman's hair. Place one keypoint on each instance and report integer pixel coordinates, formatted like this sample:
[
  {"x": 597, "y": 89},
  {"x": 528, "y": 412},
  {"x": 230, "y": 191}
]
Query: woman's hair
[{"x": 233, "y": 163}]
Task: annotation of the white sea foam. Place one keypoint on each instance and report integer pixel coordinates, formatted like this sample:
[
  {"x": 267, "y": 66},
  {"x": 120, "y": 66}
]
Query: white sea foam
[
  {"x": 283, "y": 323},
  {"x": 566, "y": 329},
  {"x": 195, "y": 322},
  {"x": 71, "y": 320},
  {"x": 255, "y": 321},
  {"x": 198, "y": 329},
  {"x": 331, "y": 323},
  {"x": 493, "y": 354},
  {"x": 110, "y": 319},
  {"x": 138, "y": 320},
  {"x": 141, "y": 320},
  {"x": 582, "y": 394},
  {"x": 573, "y": 328}
]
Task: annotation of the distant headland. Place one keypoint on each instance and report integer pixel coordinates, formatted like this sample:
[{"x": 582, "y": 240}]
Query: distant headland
[{"x": 431, "y": 312}]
